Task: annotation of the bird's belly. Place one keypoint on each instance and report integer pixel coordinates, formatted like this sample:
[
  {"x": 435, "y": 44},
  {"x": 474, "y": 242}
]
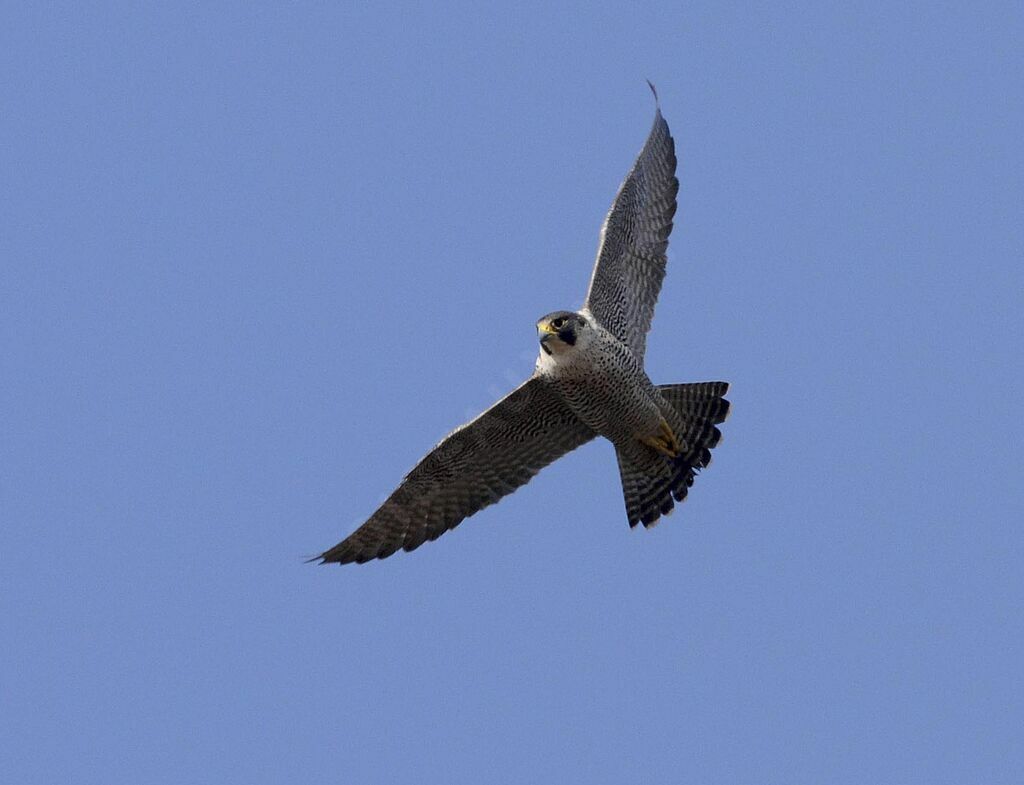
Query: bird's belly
[{"x": 616, "y": 408}]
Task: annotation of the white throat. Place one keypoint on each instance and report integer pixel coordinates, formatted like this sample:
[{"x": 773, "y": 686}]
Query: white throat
[{"x": 562, "y": 355}]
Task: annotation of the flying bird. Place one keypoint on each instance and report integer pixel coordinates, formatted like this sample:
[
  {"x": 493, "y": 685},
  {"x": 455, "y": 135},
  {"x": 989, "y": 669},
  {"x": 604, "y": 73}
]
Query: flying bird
[{"x": 588, "y": 381}]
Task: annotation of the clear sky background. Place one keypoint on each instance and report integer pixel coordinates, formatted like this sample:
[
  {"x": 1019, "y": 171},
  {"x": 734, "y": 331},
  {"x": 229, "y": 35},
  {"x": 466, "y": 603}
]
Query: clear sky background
[{"x": 256, "y": 260}]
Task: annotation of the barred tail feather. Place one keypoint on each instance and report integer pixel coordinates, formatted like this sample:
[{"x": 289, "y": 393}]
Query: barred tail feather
[
  {"x": 698, "y": 401},
  {"x": 650, "y": 484}
]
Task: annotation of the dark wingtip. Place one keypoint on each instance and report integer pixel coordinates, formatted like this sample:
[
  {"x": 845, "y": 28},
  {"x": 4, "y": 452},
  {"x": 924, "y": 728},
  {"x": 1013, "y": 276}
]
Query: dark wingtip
[
  {"x": 654, "y": 92},
  {"x": 334, "y": 556}
]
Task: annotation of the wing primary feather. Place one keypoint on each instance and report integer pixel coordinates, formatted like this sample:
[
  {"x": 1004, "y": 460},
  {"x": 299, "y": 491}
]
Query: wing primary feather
[{"x": 631, "y": 261}]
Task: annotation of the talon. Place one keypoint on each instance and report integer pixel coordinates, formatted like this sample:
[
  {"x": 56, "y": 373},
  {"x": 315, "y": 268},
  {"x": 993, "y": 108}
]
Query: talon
[
  {"x": 665, "y": 442},
  {"x": 670, "y": 438},
  {"x": 656, "y": 443},
  {"x": 676, "y": 446}
]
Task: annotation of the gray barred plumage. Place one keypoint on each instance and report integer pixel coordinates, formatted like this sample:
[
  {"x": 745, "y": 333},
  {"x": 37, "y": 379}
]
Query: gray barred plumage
[
  {"x": 631, "y": 257},
  {"x": 471, "y": 468},
  {"x": 694, "y": 411},
  {"x": 589, "y": 381}
]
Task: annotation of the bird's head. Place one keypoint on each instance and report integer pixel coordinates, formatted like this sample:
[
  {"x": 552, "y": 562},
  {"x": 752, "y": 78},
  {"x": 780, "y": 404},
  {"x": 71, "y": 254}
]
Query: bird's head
[{"x": 562, "y": 332}]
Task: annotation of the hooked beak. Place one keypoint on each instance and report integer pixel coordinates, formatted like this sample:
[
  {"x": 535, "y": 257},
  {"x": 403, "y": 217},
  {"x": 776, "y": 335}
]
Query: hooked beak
[{"x": 547, "y": 334}]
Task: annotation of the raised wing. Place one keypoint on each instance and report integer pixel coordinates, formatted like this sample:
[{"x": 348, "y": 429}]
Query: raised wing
[
  {"x": 631, "y": 257},
  {"x": 472, "y": 467}
]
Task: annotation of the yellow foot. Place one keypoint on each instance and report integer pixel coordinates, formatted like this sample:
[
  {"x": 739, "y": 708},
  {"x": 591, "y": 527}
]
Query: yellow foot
[{"x": 665, "y": 441}]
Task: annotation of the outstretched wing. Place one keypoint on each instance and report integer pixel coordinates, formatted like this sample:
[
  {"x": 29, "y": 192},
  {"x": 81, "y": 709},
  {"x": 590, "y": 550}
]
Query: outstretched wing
[
  {"x": 631, "y": 257},
  {"x": 472, "y": 467}
]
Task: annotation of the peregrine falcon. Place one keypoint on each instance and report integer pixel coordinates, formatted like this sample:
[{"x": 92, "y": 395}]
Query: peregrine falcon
[{"x": 589, "y": 381}]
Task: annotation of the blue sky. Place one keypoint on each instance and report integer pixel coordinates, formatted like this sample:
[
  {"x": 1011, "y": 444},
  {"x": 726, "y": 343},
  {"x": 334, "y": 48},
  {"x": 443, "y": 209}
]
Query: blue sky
[{"x": 257, "y": 259}]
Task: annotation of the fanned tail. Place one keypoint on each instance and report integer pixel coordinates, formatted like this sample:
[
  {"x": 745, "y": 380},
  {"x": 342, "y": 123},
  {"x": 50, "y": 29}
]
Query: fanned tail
[{"x": 651, "y": 483}]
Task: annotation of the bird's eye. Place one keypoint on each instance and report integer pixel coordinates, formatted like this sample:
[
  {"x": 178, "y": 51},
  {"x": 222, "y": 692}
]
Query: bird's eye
[{"x": 558, "y": 323}]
